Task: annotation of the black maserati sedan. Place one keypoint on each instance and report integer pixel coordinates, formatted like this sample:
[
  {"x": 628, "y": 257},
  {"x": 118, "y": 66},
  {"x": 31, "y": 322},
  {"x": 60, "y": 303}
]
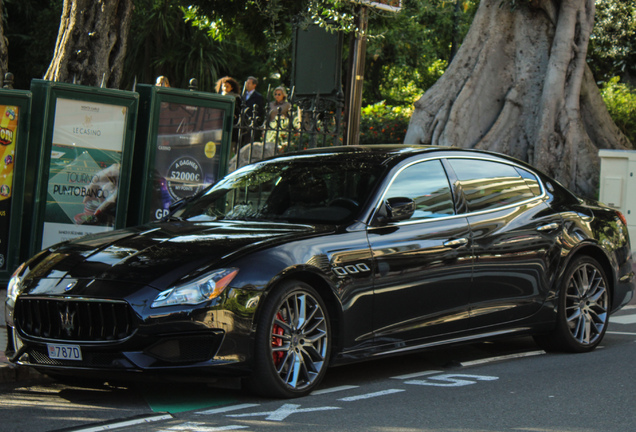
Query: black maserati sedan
[{"x": 313, "y": 259}]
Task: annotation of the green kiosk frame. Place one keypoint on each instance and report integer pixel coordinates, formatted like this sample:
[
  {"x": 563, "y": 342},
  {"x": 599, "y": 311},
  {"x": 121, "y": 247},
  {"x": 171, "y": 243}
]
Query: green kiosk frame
[
  {"x": 84, "y": 138},
  {"x": 182, "y": 146},
  {"x": 15, "y": 112}
]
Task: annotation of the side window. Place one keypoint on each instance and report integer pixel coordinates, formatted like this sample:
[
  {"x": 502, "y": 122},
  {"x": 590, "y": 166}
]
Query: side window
[
  {"x": 426, "y": 184},
  {"x": 488, "y": 184},
  {"x": 531, "y": 181}
]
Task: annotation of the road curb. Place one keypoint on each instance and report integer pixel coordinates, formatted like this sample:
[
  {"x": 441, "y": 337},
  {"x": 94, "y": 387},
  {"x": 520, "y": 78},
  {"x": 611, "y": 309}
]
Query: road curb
[{"x": 12, "y": 373}]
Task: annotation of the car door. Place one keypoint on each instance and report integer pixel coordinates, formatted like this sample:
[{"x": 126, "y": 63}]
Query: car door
[
  {"x": 423, "y": 264},
  {"x": 515, "y": 238}
]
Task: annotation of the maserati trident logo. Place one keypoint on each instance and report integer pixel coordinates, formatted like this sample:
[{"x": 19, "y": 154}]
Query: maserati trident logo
[{"x": 67, "y": 320}]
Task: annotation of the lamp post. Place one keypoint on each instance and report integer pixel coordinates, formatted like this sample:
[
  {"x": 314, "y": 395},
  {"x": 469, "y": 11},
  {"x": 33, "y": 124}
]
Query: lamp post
[{"x": 354, "y": 103}]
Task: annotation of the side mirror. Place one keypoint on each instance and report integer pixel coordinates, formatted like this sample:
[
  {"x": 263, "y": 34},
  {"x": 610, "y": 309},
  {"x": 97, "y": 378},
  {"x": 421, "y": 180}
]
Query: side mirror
[
  {"x": 396, "y": 209},
  {"x": 400, "y": 208}
]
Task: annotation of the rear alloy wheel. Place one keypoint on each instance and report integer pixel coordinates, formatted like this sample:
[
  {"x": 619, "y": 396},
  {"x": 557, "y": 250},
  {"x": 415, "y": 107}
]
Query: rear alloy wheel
[
  {"x": 293, "y": 342},
  {"x": 583, "y": 314}
]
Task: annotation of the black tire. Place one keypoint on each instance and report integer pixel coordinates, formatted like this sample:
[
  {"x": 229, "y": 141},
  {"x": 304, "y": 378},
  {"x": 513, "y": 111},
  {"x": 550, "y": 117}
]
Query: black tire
[
  {"x": 583, "y": 310},
  {"x": 293, "y": 342}
]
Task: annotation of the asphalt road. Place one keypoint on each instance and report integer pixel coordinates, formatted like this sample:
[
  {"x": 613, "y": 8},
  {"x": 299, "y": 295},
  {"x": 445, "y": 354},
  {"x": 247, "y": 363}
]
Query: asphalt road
[{"x": 504, "y": 386}]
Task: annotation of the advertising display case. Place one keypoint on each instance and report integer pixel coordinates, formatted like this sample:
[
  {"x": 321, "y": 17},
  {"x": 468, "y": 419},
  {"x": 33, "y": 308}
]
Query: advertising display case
[
  {"x": 15, "y": 107},
  {"x": 182, "y": 146},
  {"x": 84, "y": 137}
]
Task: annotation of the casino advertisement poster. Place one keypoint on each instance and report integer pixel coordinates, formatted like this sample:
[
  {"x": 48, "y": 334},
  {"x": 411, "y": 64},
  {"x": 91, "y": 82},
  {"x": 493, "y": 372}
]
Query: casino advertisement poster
[
  {"x": 187, "y": 154},
  {"x": 8, "y": 136},
  {"x": 85, "y": 167}
]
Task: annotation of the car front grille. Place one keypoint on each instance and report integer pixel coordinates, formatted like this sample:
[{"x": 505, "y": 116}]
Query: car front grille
[{"x": 74, "y": 319}]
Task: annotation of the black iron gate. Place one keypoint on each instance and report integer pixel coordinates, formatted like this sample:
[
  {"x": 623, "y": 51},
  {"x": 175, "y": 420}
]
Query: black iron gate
[{"x": 310, "y": 122}]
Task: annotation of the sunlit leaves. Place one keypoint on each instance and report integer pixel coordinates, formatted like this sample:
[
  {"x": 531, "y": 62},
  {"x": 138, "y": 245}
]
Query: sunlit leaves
[
  {"x": 216, "y": 29},
  {"x": 171, "y": 39},
  {"x": 384, "y": 124},
  {"x": 415, "y": 48},
  {"x": 621, "y": 104},
  {"x": 612, "y": 49}
]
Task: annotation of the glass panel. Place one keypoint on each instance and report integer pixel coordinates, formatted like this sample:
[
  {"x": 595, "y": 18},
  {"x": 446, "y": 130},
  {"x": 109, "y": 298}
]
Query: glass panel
[
  {"x": 299, "y": 190},
  {"x": 531, "y": 181},
  {"x": 186, "y": 157},
  {"x": 83, "y": 184},
  {"x": 426, "y": 184},
  {"x": 488, "y": 185}
]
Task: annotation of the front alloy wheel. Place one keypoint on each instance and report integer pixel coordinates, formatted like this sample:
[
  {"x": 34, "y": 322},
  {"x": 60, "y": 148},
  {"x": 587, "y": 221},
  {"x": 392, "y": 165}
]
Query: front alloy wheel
[{"x": 293, "y": 342}]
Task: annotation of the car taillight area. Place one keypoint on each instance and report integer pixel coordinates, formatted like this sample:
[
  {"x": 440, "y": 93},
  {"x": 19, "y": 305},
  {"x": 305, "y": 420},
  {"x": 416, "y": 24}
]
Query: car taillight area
[
  {"x": 74, "y": 320},
  {"x": 621, "y": 216}
]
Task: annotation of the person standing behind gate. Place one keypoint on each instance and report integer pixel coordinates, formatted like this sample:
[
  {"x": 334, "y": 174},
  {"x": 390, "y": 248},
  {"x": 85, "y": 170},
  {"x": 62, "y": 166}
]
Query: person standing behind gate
[
  {"x": 280, "y": 101},
  {"x": 229, "y": 86},
  {"x": 254, "y": 105}
]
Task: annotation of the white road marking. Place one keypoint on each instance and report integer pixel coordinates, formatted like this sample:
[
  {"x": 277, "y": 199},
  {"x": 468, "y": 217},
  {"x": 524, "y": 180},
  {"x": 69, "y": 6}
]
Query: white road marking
[
  {"x": 126, "y": 423},
  {"x": 227, "y": 409},
  {"x": 283, "y": 412},
  {"x": 623, "y": 319},
  {"x": 452, "y": 380},
  {"x": 370, "y": 395},
  {"x": 622, "y": 333},
  {"x": 333, "y": 390},
  {"x": 505, "y": 357},
  {"x": 200, "y": 427},
  {"x": 415, "y": 375}
]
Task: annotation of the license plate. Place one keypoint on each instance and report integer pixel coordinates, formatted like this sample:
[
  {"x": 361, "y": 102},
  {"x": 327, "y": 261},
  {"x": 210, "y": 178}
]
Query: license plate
[{"x": 64, "y": 352}]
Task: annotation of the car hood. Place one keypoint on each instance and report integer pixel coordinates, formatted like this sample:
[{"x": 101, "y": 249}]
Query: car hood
[{"x": 156, "y": 254}]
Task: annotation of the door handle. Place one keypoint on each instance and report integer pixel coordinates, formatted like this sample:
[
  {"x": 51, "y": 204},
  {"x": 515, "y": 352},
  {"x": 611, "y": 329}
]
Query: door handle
[
  {"x": 456, "y": 243},
  {"x": 548, "y": 227}
]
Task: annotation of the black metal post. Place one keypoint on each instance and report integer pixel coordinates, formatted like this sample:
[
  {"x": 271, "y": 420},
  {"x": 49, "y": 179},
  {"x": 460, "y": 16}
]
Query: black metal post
[{"x": 357, "y": 79}]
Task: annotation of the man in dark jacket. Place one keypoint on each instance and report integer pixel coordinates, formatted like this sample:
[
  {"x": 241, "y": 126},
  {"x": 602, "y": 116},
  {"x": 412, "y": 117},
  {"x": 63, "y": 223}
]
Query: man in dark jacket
[{"x": 254, "y": 108}]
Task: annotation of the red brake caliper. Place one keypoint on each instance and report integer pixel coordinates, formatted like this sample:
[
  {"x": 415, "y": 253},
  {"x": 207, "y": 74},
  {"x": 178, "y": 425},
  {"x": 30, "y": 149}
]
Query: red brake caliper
[{"x": 276, "y": 341}]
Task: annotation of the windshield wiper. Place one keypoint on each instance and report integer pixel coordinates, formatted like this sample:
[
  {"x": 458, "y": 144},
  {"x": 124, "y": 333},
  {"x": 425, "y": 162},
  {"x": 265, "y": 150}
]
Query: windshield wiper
[{"x": 172, "y": 218}]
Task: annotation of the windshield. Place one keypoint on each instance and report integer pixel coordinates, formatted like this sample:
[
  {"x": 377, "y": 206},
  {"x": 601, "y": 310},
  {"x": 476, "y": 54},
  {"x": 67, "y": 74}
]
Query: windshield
[{"x": 296, "y": 189}]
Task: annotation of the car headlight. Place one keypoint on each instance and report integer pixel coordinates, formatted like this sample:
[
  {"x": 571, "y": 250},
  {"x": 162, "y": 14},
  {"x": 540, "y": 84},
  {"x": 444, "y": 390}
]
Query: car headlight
[
  {"x": 198, "y": 290},
  {"x": 13, "y": 287}
]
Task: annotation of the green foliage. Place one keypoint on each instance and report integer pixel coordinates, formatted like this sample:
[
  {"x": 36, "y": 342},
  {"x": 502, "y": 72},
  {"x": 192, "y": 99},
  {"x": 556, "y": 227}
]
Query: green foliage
[
  {"x": 621, "y": 103},
  {"x": 612, "y": 50},
  {"x": 266, "y": 24},
  {"x": 413, "y": 48},
  {"x": 404, "y": 85},
  {"x": 384, "y": 124},
  {"x": 31, "y": 30},
  {"x": 166, "y": 40},
  {"x": 406, "y": 53}
]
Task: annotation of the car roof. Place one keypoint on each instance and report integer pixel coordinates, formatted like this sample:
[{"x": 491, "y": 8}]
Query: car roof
[{"x": 393, "y": 153}]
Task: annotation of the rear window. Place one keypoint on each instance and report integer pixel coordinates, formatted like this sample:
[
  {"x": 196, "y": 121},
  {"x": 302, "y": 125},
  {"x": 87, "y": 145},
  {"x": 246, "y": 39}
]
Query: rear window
[{"x": 487, "y": 184}]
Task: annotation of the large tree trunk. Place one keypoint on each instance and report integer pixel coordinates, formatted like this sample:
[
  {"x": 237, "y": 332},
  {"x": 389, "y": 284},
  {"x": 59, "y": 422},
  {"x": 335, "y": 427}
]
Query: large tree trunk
[
  {"x": 519, "y": 85},
  {"x": 91, "y": 43}
]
